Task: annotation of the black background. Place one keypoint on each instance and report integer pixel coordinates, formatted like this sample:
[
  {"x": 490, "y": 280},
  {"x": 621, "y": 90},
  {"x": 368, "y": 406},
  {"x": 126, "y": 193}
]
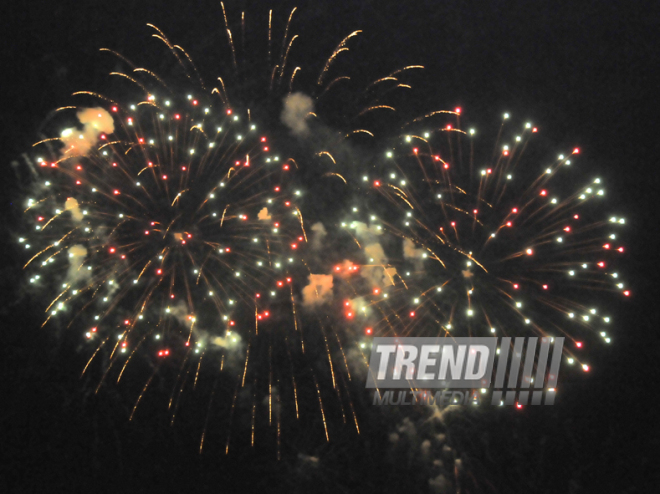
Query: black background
[{"x": 585, "y": 72}]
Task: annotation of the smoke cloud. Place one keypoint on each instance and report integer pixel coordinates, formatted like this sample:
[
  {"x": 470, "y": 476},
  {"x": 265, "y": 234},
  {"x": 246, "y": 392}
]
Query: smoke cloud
[
  {"x": 375, "y": 271},
  {"x": 318, "y": 234},
  {"x": 95, "y": 121},
  {"x": 72, "y": 205},
  {"x": 77, "y": 256},
  {"x": 297, "y": 107},
  {"x": 319, "y": 289},
  {"x": 264, "y": 215}
]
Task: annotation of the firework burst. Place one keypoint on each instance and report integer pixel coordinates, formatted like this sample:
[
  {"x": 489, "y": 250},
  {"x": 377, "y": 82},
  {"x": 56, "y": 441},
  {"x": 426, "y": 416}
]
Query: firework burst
[
  {"x": 166, "y": 225},
  {"x": 457, "y": 238},
  {"x": 173, "y": 226}
]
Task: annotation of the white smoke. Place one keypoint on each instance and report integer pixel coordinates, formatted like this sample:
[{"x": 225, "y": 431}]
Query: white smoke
[
  {"x": 412, "y": 253},
  {"x": 318, "y": 234},
  {"x": 297, "y": 107},
  {"x": 76, "y": 273},
  {"x": 72, "y": 205},
  {"x": 376, "y": 270}
]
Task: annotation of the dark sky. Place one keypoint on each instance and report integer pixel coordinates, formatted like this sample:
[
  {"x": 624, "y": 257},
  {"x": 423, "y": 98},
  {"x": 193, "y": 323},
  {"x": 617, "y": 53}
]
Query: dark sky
[{"x": 585, "y": 72}]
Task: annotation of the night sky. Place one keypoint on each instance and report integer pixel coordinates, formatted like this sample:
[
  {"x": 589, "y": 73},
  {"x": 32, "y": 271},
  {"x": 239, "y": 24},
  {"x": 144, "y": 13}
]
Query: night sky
[{"x": 584, "y": 72}]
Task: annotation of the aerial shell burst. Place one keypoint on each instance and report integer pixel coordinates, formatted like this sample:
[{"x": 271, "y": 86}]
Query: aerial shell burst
[
  {"x": 461, "y": 237},
  {"x": 174, "y": 227},
  {"x": 167, "y": 225}
]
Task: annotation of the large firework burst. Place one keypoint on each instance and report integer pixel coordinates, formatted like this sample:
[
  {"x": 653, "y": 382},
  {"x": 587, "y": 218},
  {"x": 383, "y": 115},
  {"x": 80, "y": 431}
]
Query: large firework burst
[
  {"x": 459, "y": 238},
  {"x": 170, "y": 226},
  {"x": 166, "y": 225}
]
